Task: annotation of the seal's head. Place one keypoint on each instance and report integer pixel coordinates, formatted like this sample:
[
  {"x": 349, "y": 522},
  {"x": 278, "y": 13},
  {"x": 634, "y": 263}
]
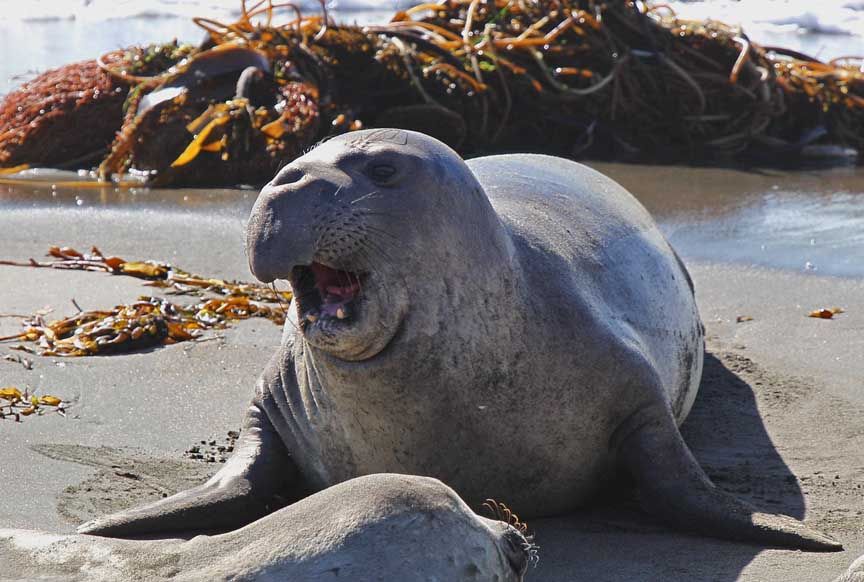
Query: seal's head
[{"x": 360, "y": 225}]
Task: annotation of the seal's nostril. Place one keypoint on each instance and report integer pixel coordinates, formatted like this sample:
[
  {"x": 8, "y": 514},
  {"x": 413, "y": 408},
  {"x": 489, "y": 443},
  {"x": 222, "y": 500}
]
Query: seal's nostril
[{"x": 288, "y": 175}]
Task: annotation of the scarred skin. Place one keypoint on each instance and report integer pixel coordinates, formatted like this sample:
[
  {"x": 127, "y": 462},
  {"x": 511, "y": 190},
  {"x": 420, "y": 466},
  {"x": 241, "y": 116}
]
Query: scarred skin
[{"x": 523, "y": 332}]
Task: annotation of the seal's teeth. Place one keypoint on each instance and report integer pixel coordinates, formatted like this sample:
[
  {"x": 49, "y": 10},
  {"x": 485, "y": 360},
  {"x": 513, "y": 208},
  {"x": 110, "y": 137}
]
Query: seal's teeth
[{"x": 341, "y": 313}]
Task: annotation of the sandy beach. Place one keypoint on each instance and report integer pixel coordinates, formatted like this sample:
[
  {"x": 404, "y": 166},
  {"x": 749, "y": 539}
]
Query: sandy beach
[{"x": 777, "y": 420}]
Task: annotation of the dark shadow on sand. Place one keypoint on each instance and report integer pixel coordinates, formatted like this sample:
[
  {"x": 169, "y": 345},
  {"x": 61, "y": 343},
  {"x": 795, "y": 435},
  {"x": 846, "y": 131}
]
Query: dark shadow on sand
[{"x": 614, "y": 541}]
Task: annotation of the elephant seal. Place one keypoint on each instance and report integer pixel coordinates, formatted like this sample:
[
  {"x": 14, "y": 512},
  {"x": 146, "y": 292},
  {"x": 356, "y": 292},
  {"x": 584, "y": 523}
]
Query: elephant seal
[
  {"x": 515, "y": 325},
  {"x": 378, "y": 527}
]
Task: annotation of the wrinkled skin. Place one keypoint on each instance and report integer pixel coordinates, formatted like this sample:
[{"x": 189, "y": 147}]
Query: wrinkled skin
[
  {"x": 379, "y": 527},
  {"x": 515, "y": 326}
]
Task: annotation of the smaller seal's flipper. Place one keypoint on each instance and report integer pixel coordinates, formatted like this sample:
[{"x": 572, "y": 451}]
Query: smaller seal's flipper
[
  {"x": 673, "y": 487},
  {"x": 241, "y": 492}
]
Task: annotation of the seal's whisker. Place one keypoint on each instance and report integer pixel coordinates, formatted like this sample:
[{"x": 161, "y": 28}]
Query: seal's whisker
[
  {"x": 285, "y": 310},
  {"x": 503, "y": 513},
  {"x": 382, "y": 232},
  {"x": 376, "y": 247},
  {"x": 362, "y": 211},
  {"x": 375, "y": 236},
  {"x": 365, "y": 196},
  {"x": 533, "y": 551},
  {"x": 303, "y": 224},
  {"x": 492, "y": 506},
  {"x": 382, "y": 281},
  {"x": 367, "y": 251},
  {"x": 383, "y": 240},
  {"x": 361, "y": 294},
  {"x": 382, "y": 248},
  {"x": 359, "y": 286}
]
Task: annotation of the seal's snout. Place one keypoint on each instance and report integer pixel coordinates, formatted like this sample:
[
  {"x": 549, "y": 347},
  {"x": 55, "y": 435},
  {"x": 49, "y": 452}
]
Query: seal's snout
[{"x": 277, "y": 236}]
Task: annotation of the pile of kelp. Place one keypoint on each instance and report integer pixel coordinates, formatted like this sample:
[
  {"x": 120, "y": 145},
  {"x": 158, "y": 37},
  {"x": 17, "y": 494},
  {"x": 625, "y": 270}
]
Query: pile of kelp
[{"x": 580, "y": 78}]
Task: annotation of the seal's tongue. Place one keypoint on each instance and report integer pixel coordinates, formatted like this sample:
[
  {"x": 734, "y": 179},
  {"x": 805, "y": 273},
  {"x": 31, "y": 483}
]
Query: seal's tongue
[{"x": 335, "y": 287}]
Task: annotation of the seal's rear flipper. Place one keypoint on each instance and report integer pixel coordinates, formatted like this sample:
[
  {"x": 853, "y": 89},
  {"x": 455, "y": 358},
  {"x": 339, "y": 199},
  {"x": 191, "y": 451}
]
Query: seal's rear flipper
[
  {"x": 673, "y": 487},
  {"x": 241, "y": 492}
]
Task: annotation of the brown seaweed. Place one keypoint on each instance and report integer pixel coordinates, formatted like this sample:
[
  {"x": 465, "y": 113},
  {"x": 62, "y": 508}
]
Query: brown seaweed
[
  {"x": 150, "y": 321},
  {"x": 15, "y": 403},
  {"x": 157, "y": 273},
  {"x": 146, "y": 323}
]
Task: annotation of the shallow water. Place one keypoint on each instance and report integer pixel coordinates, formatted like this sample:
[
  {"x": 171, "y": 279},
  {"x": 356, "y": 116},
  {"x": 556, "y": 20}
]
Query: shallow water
[
  {"x": 793, "y": 230},
  {"x": 47, "y": 189},
  {"x": 806, "y": 221}
]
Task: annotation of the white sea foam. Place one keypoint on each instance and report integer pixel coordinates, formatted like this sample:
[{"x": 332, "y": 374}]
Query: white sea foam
[
  {"x": 770, "y": 16},
  {"x": 94, "y": 10},
  {"x": 757, "y": 17}
]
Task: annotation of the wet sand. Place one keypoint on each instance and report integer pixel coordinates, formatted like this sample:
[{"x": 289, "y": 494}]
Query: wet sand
[{"x": 777, "y": 421}]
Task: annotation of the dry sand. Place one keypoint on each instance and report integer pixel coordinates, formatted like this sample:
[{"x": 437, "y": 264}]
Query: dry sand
[{"x": 778, "y": 420}]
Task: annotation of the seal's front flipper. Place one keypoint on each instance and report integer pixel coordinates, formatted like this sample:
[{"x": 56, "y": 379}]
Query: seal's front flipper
[
  {"x": 673, "y": 487},
  {"x": 241, "y": 492}
]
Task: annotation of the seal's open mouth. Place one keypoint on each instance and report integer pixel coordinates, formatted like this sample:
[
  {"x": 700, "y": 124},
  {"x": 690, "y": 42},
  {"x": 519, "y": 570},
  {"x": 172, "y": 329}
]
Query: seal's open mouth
[{"x": 325, "y": 294}]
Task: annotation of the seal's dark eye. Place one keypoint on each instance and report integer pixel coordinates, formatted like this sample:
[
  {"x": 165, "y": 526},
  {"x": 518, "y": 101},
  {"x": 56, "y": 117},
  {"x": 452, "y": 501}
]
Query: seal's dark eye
[{"x": 381, "y": 173}]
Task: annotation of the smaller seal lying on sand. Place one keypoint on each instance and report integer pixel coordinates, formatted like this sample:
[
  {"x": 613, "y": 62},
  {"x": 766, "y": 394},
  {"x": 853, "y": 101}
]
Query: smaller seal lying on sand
[
  {"x": 379, "y": 527},
  {"x": 516, "y": 326}
]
